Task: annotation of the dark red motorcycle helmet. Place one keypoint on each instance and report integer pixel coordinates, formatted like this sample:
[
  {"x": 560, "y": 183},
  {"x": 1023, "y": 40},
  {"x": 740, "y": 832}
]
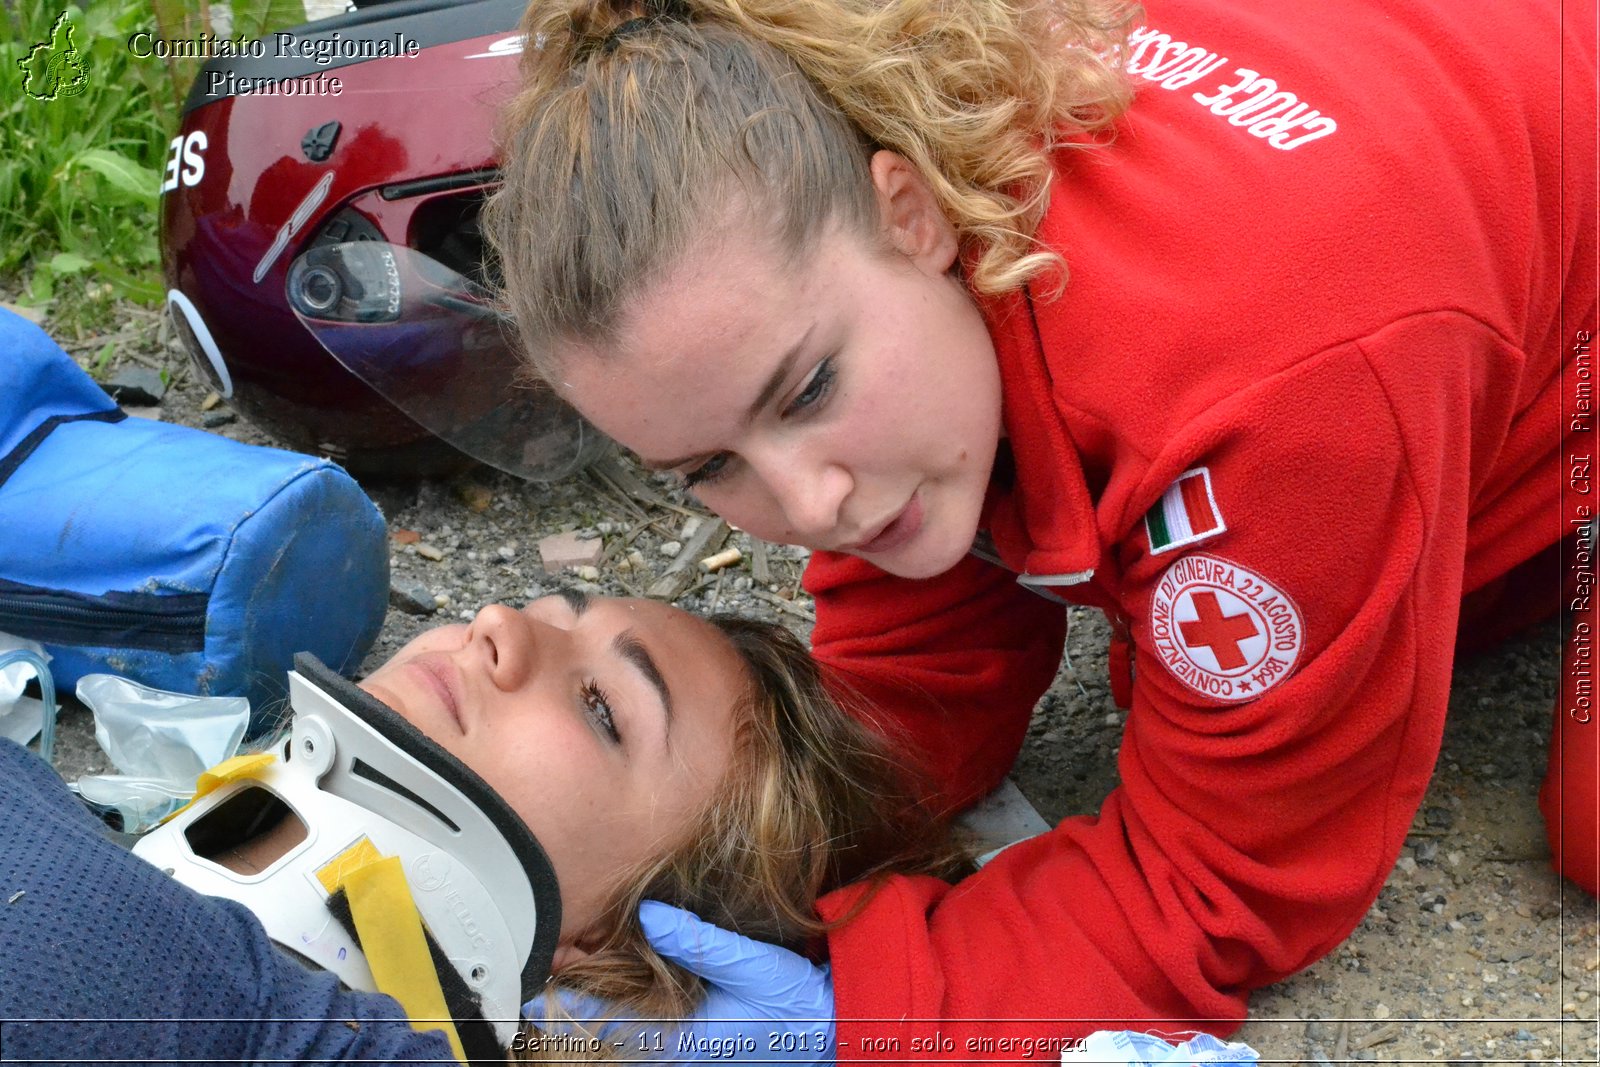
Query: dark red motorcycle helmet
[{"x": 321, "y": 248}]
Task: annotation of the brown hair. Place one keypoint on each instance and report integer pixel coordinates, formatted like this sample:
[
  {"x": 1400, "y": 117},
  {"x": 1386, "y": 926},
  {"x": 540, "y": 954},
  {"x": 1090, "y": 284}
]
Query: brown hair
[
  {"x": 638, "y": 126},
  {"x": 813, "y": 800}
]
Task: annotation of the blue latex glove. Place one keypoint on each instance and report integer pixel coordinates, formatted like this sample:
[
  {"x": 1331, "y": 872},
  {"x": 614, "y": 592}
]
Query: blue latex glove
[{"x": 762, "y": 1002}]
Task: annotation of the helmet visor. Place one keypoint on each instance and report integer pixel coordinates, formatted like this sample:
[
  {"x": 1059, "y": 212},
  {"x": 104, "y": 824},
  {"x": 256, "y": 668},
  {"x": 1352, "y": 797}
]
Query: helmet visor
[{"x": 432, "y": 343}]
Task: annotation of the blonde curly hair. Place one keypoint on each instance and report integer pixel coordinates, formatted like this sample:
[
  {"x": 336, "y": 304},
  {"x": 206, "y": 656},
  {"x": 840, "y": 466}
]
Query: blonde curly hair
[{"x": 639, "y": 122}]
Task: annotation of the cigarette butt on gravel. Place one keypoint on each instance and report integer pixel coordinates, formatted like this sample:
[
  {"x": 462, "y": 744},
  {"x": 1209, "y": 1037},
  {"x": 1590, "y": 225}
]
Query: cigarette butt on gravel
[{"x": 726, "y": 558}]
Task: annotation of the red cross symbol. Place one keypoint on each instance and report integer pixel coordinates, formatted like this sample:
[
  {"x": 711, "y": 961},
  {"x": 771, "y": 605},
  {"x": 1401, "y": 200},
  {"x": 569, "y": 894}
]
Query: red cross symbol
[{"x": 1220, "y": 633}]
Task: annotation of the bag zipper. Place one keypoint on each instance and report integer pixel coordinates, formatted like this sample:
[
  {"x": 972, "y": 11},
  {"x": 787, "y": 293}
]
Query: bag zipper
[{"x": 149, "y": 621}]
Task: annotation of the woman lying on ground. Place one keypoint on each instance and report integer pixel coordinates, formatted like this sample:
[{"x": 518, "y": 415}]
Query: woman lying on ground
[{"x": 647, "y": 753}]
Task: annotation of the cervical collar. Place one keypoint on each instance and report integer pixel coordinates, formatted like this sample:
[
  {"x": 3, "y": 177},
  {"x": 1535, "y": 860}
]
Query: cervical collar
[{"x": 354, "y": 769}]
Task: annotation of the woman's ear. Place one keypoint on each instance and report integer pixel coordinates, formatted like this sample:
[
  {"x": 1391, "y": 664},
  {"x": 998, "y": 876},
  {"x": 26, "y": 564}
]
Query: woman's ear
[
  {"x": 910, "y": 216},
  {"x": 566, "y": 955},
  {"x": 580, "y": 945}
]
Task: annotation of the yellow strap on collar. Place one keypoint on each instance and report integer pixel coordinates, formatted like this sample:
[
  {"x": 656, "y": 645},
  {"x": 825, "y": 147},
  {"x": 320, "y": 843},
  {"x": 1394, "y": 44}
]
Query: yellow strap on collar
[
  {"x": 248, "y": 765},
  {"x": 391, "y": 935}
]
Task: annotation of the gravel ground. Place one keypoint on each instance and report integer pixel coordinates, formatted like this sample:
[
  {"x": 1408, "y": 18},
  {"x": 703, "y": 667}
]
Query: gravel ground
[{"x": 1473, "y": 953}]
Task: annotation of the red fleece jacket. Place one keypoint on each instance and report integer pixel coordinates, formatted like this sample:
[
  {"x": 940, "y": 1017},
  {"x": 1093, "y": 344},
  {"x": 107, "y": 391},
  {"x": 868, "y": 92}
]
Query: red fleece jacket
[{"x": 1300, "y": 394}]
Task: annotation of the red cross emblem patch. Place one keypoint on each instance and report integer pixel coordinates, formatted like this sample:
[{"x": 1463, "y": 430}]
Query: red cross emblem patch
[{"x": 1223, "y": 630}]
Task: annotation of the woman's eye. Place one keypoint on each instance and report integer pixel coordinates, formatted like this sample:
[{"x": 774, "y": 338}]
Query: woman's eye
[
  {"x": 708, "y": 472},
  {"x": 815, "y": 390},
  {"x": 598, "y": 705}
]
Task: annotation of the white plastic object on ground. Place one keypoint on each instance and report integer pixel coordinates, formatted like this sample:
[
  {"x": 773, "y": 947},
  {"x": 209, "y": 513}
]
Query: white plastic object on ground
[{"x": 1135, "y": 1049}]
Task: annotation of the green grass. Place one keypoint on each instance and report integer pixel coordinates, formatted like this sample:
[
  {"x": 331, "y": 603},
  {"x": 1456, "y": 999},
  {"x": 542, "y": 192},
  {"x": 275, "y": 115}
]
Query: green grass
[{"x": 80, "y": 175}]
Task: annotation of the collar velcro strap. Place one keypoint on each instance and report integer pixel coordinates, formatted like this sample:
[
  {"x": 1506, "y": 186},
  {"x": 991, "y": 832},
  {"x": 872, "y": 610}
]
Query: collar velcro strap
[{"x": 389, "y": 928}]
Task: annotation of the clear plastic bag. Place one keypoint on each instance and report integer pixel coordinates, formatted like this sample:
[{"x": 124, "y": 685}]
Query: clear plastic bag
[{"x": 159, "y": 742}]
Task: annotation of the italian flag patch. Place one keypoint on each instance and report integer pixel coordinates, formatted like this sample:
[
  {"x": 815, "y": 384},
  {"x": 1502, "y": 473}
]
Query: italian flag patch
[{"x": 1186, "y": 514}]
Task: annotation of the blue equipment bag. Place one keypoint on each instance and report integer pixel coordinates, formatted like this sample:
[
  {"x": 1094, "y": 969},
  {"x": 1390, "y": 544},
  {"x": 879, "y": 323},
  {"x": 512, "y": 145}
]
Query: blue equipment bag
[{"x": 168, "y": 555}]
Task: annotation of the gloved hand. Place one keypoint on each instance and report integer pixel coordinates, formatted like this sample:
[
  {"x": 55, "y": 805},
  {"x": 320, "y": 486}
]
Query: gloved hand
[{"x": 762, "y": 1002}]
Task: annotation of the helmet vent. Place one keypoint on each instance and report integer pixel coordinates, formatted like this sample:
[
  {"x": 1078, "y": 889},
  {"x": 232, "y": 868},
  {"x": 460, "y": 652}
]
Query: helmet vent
[
  {"x": 365, "y": 770},
  {"x": 444, "y": 183},
  {"x": 318, "y": 142}
]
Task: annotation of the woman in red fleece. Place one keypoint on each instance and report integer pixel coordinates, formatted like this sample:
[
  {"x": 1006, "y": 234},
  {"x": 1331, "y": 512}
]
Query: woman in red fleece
[{"x": 1245, "y": 325}]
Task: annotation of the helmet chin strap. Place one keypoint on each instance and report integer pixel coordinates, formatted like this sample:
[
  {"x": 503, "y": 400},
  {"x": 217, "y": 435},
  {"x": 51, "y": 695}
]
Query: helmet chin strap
[{"x": 366, "y": 784}]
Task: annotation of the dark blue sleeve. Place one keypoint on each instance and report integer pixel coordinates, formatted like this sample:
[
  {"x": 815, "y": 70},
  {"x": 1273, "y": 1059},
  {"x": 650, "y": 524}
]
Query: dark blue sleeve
[{"x": 105, "y": 958}]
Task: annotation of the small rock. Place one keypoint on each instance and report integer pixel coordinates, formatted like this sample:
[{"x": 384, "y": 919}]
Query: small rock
[
  {"x": 1438, "y": 818},
  {"x": 136, "y": 386},
  {"x": 476, "y": 497},
  {"x": 1523, "y": 1034},
  {"x": 1426, "y": 851},
  {"x": 402, "y": 536},
  {"x": 690, "y": 526},
  {"x": 441, "y": 600},
  {"x": 413, "y": 598},
  {"x": 1111, "y": 719},
  {"x": 1050, "y": 737},
  {"x": 506, "y": 552},
  {"x": 213, "y": 419},
  {"x": 562, "y": 551},
  {"x": 1407, "y": 864},
  {"x": 427, "y": 551},
  {"x": 670, "y": 549},
  {"x": 588, "y": 574},
  {"x": 636, "y": 558},
  {"x": 151, "y": 413},
  {"x": 1380, "y": 1011}
]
